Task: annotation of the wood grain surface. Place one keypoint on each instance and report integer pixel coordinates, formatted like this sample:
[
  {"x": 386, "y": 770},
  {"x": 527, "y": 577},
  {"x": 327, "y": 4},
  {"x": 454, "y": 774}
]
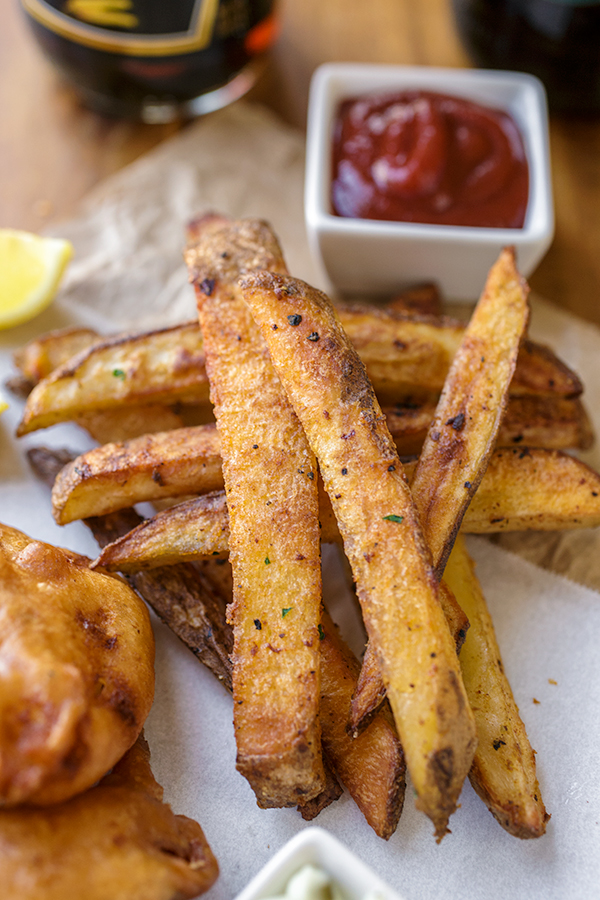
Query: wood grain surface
[{"x": 52, "y": 150}]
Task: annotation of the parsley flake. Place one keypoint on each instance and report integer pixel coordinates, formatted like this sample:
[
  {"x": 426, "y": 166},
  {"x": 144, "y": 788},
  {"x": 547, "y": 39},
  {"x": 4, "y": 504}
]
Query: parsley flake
[
  {"x": 119, "y": 373},
  {"x": 267, "y": 561},
  {"x": 285, "y": 611},
  {"x": 321, "y": 632},
  {"x": 393, "y": 518}
]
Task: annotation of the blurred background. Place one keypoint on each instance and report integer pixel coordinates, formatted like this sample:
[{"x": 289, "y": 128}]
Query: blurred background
[{"x": 53, "y": 150}]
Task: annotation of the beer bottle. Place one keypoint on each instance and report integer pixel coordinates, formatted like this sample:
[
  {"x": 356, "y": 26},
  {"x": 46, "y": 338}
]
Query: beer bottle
[
  {"x": 557, "y": 40},
  {"x": 154, "y": 60}
]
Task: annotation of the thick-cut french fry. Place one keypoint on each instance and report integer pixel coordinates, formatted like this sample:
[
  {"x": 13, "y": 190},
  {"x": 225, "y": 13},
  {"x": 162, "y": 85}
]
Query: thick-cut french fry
[
  {"x": 462, "y": 434},
  {"x": 41, "y": 356},
  {"x": 554, "y": 423},
  {"x": 372, "y": 765},
  {"x": 404, "y": 356},
  {"x": 165, "y": 366},
  {"x": 503, "y": 770},
  {"x": 370, "y": 690},
  {"x": 271, "y": 485},
  {"x": 328, "y": 386},
  {"x": 560, "y": 423},
  {"x": 153, "y": 466},
  {"x": 461, "y": 437},
  {"x": 549, "y": 491}
]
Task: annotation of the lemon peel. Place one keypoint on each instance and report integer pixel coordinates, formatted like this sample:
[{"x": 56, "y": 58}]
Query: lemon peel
[{"x": 30, "y": 271}]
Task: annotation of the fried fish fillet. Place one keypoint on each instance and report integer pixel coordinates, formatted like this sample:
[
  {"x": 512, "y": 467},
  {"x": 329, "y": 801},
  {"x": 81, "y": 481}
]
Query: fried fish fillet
[
  {"x": 76, "y": 671},
  {"x": 117, "y": 840}
]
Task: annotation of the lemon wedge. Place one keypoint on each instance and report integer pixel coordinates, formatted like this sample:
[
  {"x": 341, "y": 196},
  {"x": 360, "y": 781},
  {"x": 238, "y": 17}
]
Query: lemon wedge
[{"x": 30, "y": 270}]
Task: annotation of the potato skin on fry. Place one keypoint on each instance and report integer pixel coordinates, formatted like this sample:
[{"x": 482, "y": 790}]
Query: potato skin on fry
[
  {"x": 117, "y": 840},
  {"x": 76, "y": 671},
  {"x": 503, "y": 771},
  {"x": 328, "y": 386}
]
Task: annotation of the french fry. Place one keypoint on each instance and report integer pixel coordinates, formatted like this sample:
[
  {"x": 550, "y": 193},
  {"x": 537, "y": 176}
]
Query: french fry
[
  {"x": 328, "y": 386},
  {"x": 371, "y": 768},
  {"x": 116, "y": 476},
  {"x": 463, "y": 432},
  {"x": 270, "y": 483},
  {"x": 165, "y": 366},
  {"x": 461, "y": 436},
  {"x": 404, "y": 356},
  {"x": 41, "y": 356},
  {"x": 554, "y": 423},
  {"x": 503, "y": 771},
  {"x": 370, "y": 690}
]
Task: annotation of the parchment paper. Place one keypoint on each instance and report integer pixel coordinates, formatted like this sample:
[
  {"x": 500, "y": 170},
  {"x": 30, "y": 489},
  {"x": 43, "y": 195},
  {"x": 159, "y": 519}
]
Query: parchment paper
[{"x": 128, "y": 272}]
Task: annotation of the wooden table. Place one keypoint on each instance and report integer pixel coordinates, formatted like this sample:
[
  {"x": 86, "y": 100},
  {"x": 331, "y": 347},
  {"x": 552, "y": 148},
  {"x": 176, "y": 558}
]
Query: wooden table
[{"x": 52, "y": 150}]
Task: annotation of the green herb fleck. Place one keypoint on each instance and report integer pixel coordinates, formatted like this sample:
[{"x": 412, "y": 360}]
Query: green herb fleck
[
  {"x": 285, "y": 611},
  {"x": 393, "y": 518},
  {"x": 321, "y": 632},
  {"x": 119, "y": 373},
  {"x": 267, "y": 561}
]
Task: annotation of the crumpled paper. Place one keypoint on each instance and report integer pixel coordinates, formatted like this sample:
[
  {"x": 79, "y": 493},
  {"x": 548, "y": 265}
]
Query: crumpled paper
[{"x": 128, "y": 272}]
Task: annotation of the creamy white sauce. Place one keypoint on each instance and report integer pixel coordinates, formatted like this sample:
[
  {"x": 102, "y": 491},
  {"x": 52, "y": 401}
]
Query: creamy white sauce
[{"x": 313, "y": 883}]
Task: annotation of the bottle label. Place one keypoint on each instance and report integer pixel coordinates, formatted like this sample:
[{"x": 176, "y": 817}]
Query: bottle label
[{"x": 131, "y": 27}]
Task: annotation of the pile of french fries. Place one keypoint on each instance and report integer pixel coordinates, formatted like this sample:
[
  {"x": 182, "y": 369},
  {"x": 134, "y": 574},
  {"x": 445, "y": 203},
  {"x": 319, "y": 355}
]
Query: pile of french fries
[{"x": 302, "y": 453}]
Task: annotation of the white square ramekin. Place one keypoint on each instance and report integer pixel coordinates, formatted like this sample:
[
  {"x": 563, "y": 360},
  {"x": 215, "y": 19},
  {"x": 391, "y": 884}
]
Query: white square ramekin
[
  {"x": 319, "y": 848},
  {"x": 362, "y": 256}
]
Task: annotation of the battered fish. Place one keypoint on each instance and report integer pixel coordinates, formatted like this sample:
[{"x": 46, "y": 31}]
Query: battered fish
[
  {"x": 76, "y": 671},
  {"x": 117, "y": 841}
]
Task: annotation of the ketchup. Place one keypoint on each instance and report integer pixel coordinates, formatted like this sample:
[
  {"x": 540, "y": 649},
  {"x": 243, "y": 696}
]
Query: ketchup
[{"x": 423, "y": 157}]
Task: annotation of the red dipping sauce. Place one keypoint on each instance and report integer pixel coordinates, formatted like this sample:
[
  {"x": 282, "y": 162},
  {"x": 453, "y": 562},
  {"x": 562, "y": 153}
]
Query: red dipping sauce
[{"x": 423, "y": 157}]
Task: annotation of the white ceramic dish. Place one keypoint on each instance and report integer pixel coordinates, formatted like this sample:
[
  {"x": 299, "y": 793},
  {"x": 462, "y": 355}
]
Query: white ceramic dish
[
  {"x": 373, "y": 257},
  {"x": 319, "y": 848}
]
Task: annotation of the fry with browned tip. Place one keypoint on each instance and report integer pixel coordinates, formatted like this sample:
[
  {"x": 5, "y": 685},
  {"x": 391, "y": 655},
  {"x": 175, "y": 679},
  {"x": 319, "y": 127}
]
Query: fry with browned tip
[
  {"x": 503, "y": 771},
  {"x": 271, "y": 486},
  {"x": 463, "y": 432},
  {"x": 328, "y": 386}
]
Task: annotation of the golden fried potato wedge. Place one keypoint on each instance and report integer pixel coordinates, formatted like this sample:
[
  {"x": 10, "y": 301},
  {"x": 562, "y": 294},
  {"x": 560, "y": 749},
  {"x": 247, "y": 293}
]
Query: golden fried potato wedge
[
  {"x": 503, "y": 771},
  {"x": 463, "y": 432},
  {"x": 77, "y": 684},
  {"x": 372, "y": 765},
  {"x": 370, "y": 690},
  {"x": 41, "y": 356},
  {"x": 117, "y": 840},
  {"x": 554, "y": 423},
  {"x": 270, "y": 477},
  {"x": 330, "y": 391},
  {"x": 549, "y": 491},
  {"x": 408, "y": 355},
  {"x": 404, "y": 355},
  {"x": 165, "y": 366},
  {"x": 150, "y": 467}
]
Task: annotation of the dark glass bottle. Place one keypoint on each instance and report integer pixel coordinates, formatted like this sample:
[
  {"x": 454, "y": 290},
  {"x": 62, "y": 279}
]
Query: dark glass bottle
[
  {"x": 557, "y": 40},
  {"x": 155, "y": 60}
]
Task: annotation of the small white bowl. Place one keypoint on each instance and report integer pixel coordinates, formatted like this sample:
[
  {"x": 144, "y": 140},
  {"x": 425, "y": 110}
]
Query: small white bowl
[
  {"x": 319, "y": 848},
  {"x": 375, "y": 257}
]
